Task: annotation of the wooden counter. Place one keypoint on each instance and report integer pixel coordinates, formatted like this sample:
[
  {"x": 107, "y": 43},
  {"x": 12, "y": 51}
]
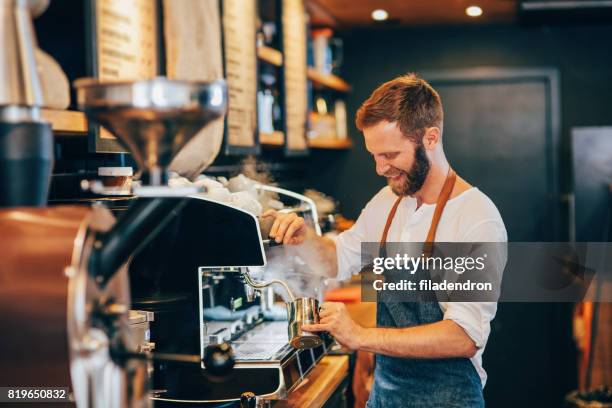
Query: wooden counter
[{"x": 319, "y": 384}]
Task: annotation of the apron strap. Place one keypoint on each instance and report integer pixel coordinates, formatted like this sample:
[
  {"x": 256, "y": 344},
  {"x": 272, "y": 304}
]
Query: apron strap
[
  {"x": 383, "y": 239},
  {"x": 447, "y": 189}
]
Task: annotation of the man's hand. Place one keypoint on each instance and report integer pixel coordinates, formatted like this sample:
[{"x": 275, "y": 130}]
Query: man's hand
[
  {"x": 334, "y": 318},
  {"x": 288, "y": 229},
  {"x": 292, "y": 230}
]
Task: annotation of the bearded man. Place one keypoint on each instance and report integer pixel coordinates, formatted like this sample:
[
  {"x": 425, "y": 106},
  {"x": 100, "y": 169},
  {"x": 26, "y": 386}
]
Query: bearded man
[{"x": 428, "y": 354}]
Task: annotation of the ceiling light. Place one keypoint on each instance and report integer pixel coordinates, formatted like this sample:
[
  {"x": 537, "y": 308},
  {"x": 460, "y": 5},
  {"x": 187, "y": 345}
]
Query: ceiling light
[
  {"x": 380, "y": 15},
  {"x": 473, "y": 11}
]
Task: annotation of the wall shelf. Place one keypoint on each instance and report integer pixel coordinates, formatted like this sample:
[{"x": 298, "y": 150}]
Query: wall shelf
[
  {"x": 328, "y": 80},
  {"x": 270, "y": 55},
  {"x": 66, "y": 121},
  {"x": 275, "y": 138},
  {"x": 333, "y": 144}
]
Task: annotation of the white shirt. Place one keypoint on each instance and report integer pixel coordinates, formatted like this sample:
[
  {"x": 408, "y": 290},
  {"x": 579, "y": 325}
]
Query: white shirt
[{"x": 469, "y": 217}]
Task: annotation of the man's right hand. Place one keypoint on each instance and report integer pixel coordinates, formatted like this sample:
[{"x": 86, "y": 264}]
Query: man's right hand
[{"x": 288, "y": 229}]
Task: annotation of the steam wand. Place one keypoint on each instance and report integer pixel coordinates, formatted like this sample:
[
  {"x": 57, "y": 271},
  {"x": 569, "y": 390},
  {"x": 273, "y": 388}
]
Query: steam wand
[{"x": 260, "y": 285}]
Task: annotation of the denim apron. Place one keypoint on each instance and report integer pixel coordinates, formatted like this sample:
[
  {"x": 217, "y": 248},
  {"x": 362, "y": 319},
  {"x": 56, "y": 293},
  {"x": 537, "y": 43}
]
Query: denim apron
[{"x": 421, "y": 383}]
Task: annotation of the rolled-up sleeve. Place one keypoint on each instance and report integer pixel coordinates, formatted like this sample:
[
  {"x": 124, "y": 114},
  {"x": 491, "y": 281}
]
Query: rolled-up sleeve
[
  {"x": 475, "y": 317},
  {"x": 348, "y": 248}
]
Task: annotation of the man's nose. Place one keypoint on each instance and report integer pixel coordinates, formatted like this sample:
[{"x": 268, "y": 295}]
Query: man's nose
[{"x": 382, "y": 167}]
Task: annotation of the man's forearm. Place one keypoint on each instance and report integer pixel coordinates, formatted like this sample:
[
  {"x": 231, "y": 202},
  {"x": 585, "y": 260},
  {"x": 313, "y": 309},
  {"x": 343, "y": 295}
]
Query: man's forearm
[
  {"x": 443, "y": 339},
  {"x": 322, "y": 251}
]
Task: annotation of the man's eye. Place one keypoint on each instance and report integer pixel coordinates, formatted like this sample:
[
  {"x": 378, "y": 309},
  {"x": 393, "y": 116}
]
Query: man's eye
[{"x": 390, "y": 155}]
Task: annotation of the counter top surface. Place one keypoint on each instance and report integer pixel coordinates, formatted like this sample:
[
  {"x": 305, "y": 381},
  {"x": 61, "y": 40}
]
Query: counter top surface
[{"x": 319, "y": 384}]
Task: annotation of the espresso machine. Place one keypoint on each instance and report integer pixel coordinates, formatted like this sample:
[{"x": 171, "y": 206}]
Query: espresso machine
[
  {"x": 204, "y": 279},
  {"x": 265, "y": 335}
]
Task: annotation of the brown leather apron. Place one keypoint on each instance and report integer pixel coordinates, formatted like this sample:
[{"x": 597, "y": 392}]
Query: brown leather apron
[{"x": 364, "y": 364}]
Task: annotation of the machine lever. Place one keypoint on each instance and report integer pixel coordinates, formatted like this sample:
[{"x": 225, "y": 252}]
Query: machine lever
[
  {"x": 271, "y": 243},
  {"x": 218, "y": 359}
]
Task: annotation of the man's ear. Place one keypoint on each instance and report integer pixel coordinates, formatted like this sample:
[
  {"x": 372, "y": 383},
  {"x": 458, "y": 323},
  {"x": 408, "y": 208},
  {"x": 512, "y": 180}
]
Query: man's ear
[{"x": 431, "y": 138}]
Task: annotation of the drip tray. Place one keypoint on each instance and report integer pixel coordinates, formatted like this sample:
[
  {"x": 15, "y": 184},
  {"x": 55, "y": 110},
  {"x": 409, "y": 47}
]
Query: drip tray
[
  {"x": 266, "y": 365},
  {"x": 267, "y": 341},
  {"x": 188, "y": 384}
]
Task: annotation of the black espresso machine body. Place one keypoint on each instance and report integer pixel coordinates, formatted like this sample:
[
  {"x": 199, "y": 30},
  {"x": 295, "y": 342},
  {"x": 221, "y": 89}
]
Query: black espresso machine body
[
  {"x": 190, "y": 278},
  {"x": 164, "y": 276}
]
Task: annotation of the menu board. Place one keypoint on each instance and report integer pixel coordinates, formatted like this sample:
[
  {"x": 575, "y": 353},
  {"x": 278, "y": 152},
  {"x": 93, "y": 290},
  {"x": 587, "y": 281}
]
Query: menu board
[
  {"x": 295, "y": 83},
  {"x": 240, "y": 60},
  {"x": 125, "y": 41}
]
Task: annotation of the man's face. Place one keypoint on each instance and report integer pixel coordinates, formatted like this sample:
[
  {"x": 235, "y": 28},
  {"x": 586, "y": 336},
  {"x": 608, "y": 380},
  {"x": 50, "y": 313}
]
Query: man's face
[{"x": 403, "y": 162}]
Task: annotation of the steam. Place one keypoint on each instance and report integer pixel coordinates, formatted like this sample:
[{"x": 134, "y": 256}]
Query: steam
[
  {"x": 304, "y": 273},
  {"x": 239, "y": 191},
  {"x": 304, "y": 276},
  {"x": 257, "y": 171}
]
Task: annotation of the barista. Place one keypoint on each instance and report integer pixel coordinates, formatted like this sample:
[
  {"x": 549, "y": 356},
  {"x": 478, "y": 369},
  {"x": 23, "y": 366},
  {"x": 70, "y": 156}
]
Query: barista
[{"x": 428, "y": 354}]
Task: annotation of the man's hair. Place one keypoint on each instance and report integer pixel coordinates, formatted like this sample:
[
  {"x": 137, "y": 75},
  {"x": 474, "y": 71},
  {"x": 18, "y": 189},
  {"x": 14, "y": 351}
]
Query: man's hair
[{"x": 408, "y": 100}]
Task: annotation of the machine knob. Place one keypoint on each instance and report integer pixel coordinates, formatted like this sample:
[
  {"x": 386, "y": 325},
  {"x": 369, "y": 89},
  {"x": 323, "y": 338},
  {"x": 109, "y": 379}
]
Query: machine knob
[
  {"x": 218, "y": 359},
  {"x": 248, "y": 400}
]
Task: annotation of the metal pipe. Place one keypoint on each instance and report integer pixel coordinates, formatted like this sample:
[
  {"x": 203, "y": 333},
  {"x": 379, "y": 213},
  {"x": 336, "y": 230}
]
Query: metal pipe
[
  {"x": 300, "y": 197},
  {"x": 140, "y": 223},
  {"x": 260, "y": 285}
]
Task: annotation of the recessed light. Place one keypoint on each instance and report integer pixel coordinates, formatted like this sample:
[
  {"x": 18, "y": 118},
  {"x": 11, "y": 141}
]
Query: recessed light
[
  {"x": 380, "y": 15},
  {"x": 473, "y": 11}
]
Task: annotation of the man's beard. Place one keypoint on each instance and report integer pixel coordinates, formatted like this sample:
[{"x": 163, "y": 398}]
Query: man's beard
[{"x": 413, "y": 179}]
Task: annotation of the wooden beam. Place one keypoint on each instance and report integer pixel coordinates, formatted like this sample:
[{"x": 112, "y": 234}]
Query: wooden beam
[{"x": 320, "y": 15}]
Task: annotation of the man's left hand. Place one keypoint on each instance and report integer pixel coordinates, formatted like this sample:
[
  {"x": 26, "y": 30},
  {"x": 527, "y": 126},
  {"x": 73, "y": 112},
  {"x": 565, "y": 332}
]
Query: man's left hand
[{"x": 335, "y": 319}]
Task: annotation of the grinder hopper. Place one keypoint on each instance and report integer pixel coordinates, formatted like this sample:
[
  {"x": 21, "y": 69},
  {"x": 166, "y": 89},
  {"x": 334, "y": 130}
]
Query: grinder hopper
[{"x": 152, "y": 118}]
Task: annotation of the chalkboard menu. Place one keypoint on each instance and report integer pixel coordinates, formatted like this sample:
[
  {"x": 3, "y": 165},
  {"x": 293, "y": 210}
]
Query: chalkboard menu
[
  {"x": 295, "y": 80},
  {"x": 239, "y": 19},
  {"x": 124, "y": 43}
]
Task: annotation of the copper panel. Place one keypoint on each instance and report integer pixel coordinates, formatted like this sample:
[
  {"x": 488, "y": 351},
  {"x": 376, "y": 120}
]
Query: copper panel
[{"x": 36, "y": 246}]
